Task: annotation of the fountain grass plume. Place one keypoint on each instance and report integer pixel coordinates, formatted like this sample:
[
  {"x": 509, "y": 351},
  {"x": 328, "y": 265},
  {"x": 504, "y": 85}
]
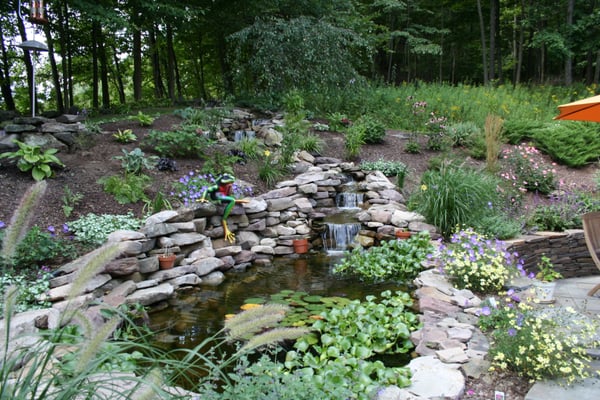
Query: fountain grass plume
[
  {"x": 248, "y": 322},
  {"x": 94, "y": 263},
  {"x": 19, "y": 222},
  {"x": 95, "y": 344},
  {"x": 493, "y": 131},
  {"x": 273, "y": 336}
]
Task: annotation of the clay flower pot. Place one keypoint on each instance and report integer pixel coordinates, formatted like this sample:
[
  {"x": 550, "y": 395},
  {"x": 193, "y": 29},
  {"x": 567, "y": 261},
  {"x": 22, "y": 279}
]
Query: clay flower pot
[
  {"x": 166, "y": 261},
  {"x": 300, "y": 246},
  {"x": 402, "y": 234}
]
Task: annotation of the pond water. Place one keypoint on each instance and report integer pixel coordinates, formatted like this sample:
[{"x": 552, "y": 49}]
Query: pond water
[{"x": 199, "y": 313}]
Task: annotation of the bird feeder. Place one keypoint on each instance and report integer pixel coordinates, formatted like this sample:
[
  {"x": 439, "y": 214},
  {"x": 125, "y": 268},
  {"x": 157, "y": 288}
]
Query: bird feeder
[{"x": 37, "y": 12}]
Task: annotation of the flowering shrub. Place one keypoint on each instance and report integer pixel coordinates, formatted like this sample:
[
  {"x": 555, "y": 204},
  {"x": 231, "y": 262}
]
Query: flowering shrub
[
  {"x": 475, "y": 262},
  {"x": 537, "y": 344},
  {"x": 526, "y": 171},
  {"x": 189, "y": 188}
]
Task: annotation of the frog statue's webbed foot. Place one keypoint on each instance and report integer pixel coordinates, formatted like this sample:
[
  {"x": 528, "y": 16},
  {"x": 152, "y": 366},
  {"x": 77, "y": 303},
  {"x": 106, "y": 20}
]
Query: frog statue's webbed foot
[{"x": 229, "y": 236}]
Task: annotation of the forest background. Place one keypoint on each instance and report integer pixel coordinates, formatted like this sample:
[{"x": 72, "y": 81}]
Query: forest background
[{"x": 108, "y": 55}]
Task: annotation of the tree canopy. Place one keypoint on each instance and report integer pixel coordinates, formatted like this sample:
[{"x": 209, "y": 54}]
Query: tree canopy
[{"x": 106, "y": 54}]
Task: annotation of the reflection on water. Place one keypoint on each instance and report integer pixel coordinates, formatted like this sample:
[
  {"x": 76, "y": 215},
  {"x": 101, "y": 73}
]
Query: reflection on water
[{"x": 199, "y": 313}]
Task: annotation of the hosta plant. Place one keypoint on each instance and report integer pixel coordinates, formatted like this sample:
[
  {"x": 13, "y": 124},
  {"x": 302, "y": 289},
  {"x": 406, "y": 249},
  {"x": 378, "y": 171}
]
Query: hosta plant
[{"x": 33, "y": 158}]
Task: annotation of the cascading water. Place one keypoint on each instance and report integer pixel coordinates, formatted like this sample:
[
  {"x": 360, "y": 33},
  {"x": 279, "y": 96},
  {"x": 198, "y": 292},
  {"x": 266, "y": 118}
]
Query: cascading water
[
  {"x": 241, "y": 135},
  {"x": 339, "y": 233}
]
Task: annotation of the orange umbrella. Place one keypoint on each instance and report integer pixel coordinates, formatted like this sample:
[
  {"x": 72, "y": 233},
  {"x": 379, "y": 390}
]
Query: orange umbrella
[{"x": 581, "y": 110}]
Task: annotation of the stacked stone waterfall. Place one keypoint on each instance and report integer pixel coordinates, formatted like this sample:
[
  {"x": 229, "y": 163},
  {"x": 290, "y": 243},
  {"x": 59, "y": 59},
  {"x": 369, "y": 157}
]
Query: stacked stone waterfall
[{"x": 265, "y": 227}]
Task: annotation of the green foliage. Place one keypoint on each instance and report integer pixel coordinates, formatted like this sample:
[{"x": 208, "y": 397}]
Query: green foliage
[
  {"x": 129, "y": 188},
  {"x": 70, "y": 200},
  {"x": 143, "y": 119},
  {"x": 564, "y": 210},
  {"x": 125, "y": 136},
  {"x": 473, "y": 261},
  {"x": 461, "y": 133},
  {"x": 219, "y": 163},
  {"x": 372, "y": 130},
  {"x": 538, "y": 344},
  {"x": 388, "y": 168},
  {"x": 571, "y": 144},
  {"x": 270, "y": 171},
  {"x": 517, "y": 131},
  {"x": 454, "y": 195},
  {"x": 344, "y": 344},
  {"x": 266, "y": 379},
  {"x": 524, "y": 168},
  {"x": 31, "y": 289},
  {"x": 32, "y": 158},
  {"x": 546, "y": 271},
  {"x": 276, "y": 55},
  {"x": 94, "y": 229},
  {"x": 39, "y": 247},
  {"x": 135, "y": 161},
  {"x": 182, "y": 143},
  {"x": 252, "y": 148},
  {"x": 398, "y": 260},
  {"x": 338, "y": 122},
  {"x": 158, "y": 203},
  {"x": 353, "y": 141}
]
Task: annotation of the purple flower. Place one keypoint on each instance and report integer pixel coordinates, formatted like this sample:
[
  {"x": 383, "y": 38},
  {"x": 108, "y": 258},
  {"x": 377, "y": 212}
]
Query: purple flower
[
  {"x": 65, "y": 228},
  {"x": 486, "y": 310},
  {"x": 512, "y": 332},
  {"x": 2, "y": 225}
]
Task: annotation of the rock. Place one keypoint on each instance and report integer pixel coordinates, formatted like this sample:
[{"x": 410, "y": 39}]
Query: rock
[{"x": 151, "y": 295}]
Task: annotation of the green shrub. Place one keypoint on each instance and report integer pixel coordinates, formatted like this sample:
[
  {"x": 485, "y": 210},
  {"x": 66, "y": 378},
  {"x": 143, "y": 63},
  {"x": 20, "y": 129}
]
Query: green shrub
[
  {"x": 453, "y": 196},
  {"x": 517, "y": 131},
  {"x": 524, "y": 168},
  {"x": 473, "y": 261},
  {"x": 39, "y": 247},
  {"x": 460, "y": 133},
  {"x": 353, "y": 141},
  {"x": 32, "y": 158},
  {"x": 143, "y": 119},
  {"x": 94, "y": 229},
  {"x": 397, "y": 260},
  {"x": 337, "y": 121},
  {"x": 570, "y": 144},
  {"x": 183, "y": 143},
  {"x": 129, "y": 188},
  {"x": 252, "y": 148},
  {"x": 372, "y": 130},
  {"x": 563, "y": 211}
]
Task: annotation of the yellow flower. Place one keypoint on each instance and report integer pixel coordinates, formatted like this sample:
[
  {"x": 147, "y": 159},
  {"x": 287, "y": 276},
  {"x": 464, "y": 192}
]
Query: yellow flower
[
  {"x": 267, "y": 153},
  {"x": 423, "y": 187},
  {"x": 250, "y": 306}
]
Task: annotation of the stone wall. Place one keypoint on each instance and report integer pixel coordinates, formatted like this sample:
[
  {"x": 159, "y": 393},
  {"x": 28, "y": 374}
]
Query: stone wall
[
  {"x": 567, "y": 251},
  {"x": 265, "y": 227}
]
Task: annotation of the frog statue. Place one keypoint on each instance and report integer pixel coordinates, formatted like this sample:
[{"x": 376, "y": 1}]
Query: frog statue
[{"x": 222, "y": 192}]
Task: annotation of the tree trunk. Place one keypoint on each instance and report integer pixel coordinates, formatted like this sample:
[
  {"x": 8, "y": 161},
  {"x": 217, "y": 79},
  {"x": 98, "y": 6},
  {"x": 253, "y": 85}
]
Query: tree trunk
[
  {"x": 95, "y": 95},
  {"x": 27, "y": 60},
  {"x": 170, "y": 64},
  {"x": 137, "y": 63},
  {"x": 569, "y": 57},
  {"x": 493, "y": 33},
  {"x": 118, "y": 76},
  {"x": 483, "y": 45},
  {"x": 103, "y": 59},
  {"x": 55, "y": 75},
  {"x": 5, "y": 83},
  {"x": 159, "y": 90}
]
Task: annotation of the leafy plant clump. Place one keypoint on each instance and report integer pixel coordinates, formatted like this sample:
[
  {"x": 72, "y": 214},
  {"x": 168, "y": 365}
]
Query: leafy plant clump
[
  {"x": 38, "y": 247},
  {"x": 388, "y": 168},
  {"x": 344, "y": 344},
  {"x": 399, "y": 260},
  {"x": 125, "y": 136},
  {"x": 135, "y": 161},
  {"x": 472, "y": 261},
  {"x": 94, "y": 229},
  {"x": 129, "y": 188},
  {"x": 185, "y": 142},
  {"x": 525, "y": 169},
  {"x": 32, "y": 158},
  {"x": 537, "y": 343}
]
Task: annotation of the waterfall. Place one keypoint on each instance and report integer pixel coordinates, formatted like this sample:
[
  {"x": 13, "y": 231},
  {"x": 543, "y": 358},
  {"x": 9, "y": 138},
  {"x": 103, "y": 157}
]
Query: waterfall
[
  {"x": 348, "y": 200},
  {"x": 337, "y": 237},
  {"x": 241, "y": 135}
]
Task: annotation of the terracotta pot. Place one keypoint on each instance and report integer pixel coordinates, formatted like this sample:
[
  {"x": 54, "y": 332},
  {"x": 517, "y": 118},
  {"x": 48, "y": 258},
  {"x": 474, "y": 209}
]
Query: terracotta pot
[
  {"x": 402, "y": 234},
  {"x": 166, "y": 261},
  {"x": 300, "y": 246}
]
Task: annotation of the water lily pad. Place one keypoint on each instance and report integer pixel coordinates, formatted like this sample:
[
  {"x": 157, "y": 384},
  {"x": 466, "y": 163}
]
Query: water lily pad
[{"x": 255, "y": 300}]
